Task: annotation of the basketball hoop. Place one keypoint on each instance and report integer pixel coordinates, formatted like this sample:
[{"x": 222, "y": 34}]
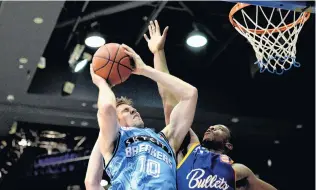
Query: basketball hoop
[{"x": 274, "y": 44}]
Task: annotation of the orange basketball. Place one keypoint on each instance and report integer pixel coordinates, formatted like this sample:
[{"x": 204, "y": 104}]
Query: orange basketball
[{"x": 112, "y": 63}]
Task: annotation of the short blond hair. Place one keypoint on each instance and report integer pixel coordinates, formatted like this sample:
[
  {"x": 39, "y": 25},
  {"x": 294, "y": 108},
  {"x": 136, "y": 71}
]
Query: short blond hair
[{"x": 123, "y": 100}]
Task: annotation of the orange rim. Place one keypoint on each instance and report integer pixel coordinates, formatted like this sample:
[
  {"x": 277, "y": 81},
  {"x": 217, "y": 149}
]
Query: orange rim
[{"x": 240, "y": 6}]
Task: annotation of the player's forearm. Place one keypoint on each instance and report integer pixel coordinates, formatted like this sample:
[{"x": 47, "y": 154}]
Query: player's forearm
[
  {"x": 95, "y": 168},
  {"x": 160, "y": 63},
  {"x": 180, "y": 89},
  {"x": 254, "y": 183},
  {"x": 106, "y": 97},
  {"x": 168, "y": 99},
  {"x": 258, "y": 184}
]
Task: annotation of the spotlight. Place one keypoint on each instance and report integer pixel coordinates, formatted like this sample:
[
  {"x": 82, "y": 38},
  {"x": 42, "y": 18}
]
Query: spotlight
[
  {"x": 80, "y": 65},
  {"x": 23, "y": 142},
  {"x": 196, "y": 39},
  {"x": 276, "y": 142},
  {"x": 79, "y": 59},
  {"x": 235, "y": 120},
  {"x": 269, "y": 162},
  {"x": 94, "y": 40}
]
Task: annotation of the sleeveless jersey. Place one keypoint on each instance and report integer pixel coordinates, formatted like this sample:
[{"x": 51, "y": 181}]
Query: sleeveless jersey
[
  {"x": 142, "y": 160},
  {"x": 205, "y": 170}
]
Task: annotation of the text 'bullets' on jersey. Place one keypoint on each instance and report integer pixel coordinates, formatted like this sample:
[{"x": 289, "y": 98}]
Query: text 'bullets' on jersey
[{"x": 204, "y": 170}]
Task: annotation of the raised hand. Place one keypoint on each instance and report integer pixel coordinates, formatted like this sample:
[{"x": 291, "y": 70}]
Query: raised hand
[
  {"x": 96, "y": 79},
  {"x": 139, "y": 64},
  {"x": 156, "y": 41}
]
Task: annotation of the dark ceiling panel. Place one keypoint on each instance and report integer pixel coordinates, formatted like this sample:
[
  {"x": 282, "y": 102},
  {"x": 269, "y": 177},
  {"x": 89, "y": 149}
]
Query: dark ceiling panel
[{"x": 21, "y": 37}]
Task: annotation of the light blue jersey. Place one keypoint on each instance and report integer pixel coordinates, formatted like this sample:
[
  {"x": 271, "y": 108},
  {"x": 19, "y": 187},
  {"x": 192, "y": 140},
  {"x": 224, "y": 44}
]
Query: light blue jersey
[{"x": 142, "y": 160}]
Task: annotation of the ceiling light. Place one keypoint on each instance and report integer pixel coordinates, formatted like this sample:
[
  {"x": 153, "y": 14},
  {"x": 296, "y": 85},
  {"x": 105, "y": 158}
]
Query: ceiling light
[
  {"x": 80, "y": 65},
  {"x": 52, "y": 134},
  {"x": 95, "y": 41},
  {"x": 269, "y": 162},
  {"x": 196, "y": 39},
  {"x": 23, "y": 142},
  {"x": 235, "y": 120},
  {"x": 72, "y": 122},
  {"x": 38, "y": 20},
  {"x": 84, "y": 123},
  {"x": 10, "y": 98},
  {"x": 42, "y": 63},
  {"x": 79, "y": 59},
  {"x": 276, "y": 142},
  {"x": 4, "y": 171},
  {"x": 23, "y": 60},
  {"x": 83, "y": 104},
  {"x": 4, "y": 143},
  {"x": 299, "y": 126},
  {"x": 68, "y": 87}
]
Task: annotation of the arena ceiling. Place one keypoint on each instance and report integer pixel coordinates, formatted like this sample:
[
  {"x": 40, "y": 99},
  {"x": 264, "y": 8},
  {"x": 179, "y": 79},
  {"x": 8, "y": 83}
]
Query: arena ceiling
[{"x": 267, "y": 106}]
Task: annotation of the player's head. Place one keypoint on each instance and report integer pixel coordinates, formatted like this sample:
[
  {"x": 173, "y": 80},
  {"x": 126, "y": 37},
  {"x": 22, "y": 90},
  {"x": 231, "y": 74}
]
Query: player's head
[
  {"x": 127, "y": 114},
  {"x": 217, "y": 137}
]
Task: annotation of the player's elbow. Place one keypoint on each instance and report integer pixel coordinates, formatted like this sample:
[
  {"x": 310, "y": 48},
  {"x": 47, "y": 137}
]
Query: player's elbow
[
  {"x": 91, "y": 184},
  {"x": 192, "y": 93},
  {"x": 106, "y": 108}
]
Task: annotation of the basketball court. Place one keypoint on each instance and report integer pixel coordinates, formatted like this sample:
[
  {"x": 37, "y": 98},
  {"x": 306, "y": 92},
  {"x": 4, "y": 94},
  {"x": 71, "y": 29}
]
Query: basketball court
[{"x": 253, "y": 63}]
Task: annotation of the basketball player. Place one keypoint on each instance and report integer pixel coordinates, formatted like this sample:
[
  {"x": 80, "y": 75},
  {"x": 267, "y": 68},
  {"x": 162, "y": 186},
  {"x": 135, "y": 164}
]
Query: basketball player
[
  {"x": 206, "y": 165},
  {"x": 136, "y": 157}
]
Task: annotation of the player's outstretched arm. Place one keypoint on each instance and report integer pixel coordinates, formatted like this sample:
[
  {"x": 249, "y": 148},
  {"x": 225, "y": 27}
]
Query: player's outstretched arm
[
  {"x": 95, "y": 169},
  {"x": 107, "y": 117},
  {"x": 182, "y": 115},
  {"x": 156, "y": 43},
  {"x": 253, "y": 183}
]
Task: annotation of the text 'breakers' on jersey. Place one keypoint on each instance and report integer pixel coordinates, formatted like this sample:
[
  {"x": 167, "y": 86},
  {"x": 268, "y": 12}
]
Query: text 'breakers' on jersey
[
  {"x": 205, "y": 170},
  {"x": 143, "y": 160}
]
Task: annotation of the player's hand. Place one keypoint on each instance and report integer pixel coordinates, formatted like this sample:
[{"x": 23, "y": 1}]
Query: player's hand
[
  {"x": 139, "y": 63},
  {"x": 156, "y": 41},
  {"x": 96, "y": 79}
]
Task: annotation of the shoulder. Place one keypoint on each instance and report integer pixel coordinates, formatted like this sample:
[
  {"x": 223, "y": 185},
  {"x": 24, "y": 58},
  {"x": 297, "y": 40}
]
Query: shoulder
[
  {"x": 241, "y": 171},
  {"x": 226, "y": 159},
  {"x": 239, "y": 166}
]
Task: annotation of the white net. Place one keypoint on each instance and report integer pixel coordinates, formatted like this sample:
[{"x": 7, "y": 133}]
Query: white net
[{"x": 273, "y": 36}]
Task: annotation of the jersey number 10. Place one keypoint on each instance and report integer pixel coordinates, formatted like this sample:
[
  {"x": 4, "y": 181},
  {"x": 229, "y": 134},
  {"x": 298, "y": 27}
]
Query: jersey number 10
[{"x": 149, "y": 166}]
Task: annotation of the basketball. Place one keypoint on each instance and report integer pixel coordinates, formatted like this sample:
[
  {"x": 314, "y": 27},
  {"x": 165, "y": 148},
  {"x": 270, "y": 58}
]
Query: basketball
[{"x": 112, "y": 63}]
